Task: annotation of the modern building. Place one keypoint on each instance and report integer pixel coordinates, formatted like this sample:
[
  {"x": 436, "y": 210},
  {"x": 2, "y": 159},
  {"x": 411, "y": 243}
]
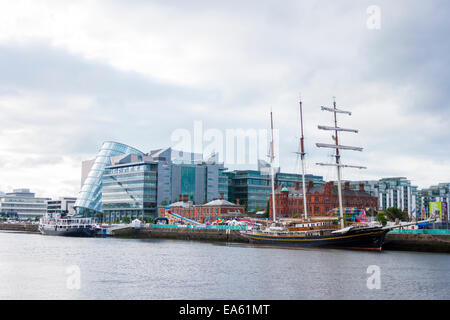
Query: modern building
[
  {"x": 89, "y": 200},
  {"x": 321, "y": 199},
  {"x": 61, "y": 205},
  {"x": 439, "y": 193},
  {"x": 108, "y": 191},
  {"x": 253, "y": 187},
  {"x": 129, "y": 188},
  {"x": 392, "y": 192},
  {"x": 22, "y": 204}
]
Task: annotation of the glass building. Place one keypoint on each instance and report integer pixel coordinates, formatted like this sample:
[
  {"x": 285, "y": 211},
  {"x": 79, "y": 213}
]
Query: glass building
[
  {"x": 253, "y": 187},
  {"x": 89, "y": 200},
  {"x": 129, "y": 189}
]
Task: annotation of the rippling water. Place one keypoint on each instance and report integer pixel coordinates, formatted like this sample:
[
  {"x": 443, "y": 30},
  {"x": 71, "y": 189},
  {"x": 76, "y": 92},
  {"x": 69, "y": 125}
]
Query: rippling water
[{"x": 33, "y": 266}]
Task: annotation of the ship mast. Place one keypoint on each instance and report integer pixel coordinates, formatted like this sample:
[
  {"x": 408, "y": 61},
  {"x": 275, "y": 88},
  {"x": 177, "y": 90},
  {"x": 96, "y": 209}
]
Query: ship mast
[
  {"x": 337, "y": 147},
  {"x": 302, "y": 157},
  {"x": 271, "y": 169}
]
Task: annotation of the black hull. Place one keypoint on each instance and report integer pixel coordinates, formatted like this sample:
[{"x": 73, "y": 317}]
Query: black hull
[
  {"x": 369, "y": 239},
  {"x": 74, "y": 232}
]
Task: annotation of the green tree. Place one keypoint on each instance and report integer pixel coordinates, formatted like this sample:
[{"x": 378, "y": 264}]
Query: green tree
[
  {"x": 393, "y": 213},
  {"x": 381, "y": 218},
  {"x": 126, "y": 219},
  {"x": 163, "y": 203}
]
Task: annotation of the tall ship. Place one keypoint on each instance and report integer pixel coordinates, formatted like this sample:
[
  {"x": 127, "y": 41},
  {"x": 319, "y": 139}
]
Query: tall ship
[
  {"x": 59, "y": 224},
  {"x": 306, "y": 232}
]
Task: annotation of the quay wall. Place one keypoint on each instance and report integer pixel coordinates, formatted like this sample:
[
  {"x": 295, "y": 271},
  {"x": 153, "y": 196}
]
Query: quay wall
[
  {"x": 417, "y": 242},
  {"x": 24, "y": 227},
  {"x": 224, "y": 235}
]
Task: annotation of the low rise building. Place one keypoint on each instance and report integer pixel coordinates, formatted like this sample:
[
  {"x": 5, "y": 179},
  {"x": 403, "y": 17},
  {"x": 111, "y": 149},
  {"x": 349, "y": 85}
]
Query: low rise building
[
  {"x": 22, "y": 204},
  {"x": 208, "y": 212},
  {"x": 320, "y": 200},
  {"x": 61, "y": 205}
]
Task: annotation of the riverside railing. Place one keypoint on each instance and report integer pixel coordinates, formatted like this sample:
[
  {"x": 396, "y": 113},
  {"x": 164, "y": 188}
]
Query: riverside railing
[
  {"x": 185, "y": 226},
  {"x": 422, "y": 231}
]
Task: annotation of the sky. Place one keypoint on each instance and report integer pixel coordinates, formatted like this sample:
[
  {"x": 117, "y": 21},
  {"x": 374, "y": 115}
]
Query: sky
[{"x": 76, "y": 73}]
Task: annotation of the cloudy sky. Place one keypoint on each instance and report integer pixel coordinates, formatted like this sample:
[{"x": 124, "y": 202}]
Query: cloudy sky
[{"x": 76, "y": 73}]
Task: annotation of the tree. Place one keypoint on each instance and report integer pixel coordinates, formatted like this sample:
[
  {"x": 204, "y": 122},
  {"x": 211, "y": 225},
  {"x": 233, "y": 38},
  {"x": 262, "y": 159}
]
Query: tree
[
  {"x": 393, "y": 214},
  {"x": 164, "y": 203},
  {"x": 126, "y": 219},
  {"x": 381, "y": 218}
]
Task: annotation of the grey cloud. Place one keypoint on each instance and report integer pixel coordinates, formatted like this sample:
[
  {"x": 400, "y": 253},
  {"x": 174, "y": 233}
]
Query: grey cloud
[{"x": 320, "y": 49}]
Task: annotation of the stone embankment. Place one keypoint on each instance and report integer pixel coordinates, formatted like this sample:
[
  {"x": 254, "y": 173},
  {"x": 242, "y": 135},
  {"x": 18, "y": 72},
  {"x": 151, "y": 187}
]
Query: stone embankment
[
  {"x": 417, "y": 242},
  {"x": 224, "y": 235},
  {"x": 24, "y": 227}
]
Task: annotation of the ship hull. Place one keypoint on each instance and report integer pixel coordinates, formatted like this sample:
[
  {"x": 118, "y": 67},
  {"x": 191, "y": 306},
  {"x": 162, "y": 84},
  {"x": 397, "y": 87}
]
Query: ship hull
[
  {"x": 68, "y": 232},
  {"x": 358, "y": 239}
]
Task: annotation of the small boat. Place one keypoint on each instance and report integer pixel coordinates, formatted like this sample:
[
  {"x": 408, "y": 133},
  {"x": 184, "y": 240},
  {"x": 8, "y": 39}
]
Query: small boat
[{"x": 68, "y": 226}]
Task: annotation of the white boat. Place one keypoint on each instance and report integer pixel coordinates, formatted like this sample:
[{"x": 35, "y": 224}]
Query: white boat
[{"x": 69, "y": 226}]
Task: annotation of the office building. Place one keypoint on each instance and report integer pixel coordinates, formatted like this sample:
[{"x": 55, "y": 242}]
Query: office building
[
  {"x": 61, "y": 205},
  {"x": 22, "y": 204},
  {"x": 253, "y": 187},
  {"x": 164, "y": 174},
  {"x": 129, "y": 187},
  {"x": 89, "y": 200}
]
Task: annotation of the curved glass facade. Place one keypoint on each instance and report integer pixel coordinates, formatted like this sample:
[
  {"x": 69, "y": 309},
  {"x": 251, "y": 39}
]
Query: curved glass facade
[{"x": 89, "y": 200}]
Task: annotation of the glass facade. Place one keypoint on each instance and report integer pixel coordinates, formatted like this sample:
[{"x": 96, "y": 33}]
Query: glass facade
[
  {"x": 89, "y": 200},
  {"x": 253, "y": 188},
  {"x": 129, "y": 191},
  {"x": 188, "y": 181}
]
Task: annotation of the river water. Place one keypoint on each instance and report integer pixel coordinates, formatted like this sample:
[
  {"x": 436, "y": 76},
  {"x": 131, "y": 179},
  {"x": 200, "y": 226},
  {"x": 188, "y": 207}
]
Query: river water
[{"x": 33, "y": 266}]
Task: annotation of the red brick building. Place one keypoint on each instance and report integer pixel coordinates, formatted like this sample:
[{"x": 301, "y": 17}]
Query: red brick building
[
  {"x": 320, "y": 199},
  {"x": 210, "y": 211}
]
